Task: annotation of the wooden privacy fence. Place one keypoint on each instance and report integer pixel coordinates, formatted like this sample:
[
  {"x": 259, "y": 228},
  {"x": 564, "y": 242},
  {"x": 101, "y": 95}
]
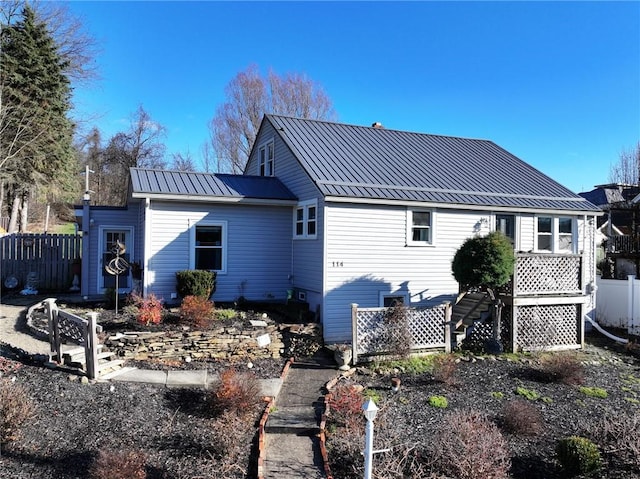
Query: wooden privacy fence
[
  {"x": 426, "y": 328},
  {"x": 48, "y": 258}
]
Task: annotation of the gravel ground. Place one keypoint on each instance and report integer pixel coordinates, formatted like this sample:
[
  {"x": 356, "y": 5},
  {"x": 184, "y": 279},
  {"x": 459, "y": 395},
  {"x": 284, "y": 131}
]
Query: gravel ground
[
  {"x": 486, "y": 384},
  {"x": 73, "y": 421}
]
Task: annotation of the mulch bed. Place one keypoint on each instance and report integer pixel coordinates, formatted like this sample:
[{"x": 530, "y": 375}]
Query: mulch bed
[{"x": 486, "y": 384}]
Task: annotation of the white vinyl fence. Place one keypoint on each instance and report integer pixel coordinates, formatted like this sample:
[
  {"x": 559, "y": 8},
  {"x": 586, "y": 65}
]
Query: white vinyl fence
[{"x": 618, "y": 303}]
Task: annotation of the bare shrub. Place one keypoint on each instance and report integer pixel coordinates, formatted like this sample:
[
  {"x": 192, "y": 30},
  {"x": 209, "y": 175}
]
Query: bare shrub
[
  {"x": 522, "y": 417},
  {"x": 561, "y": 368},
  {"x": 230, "y": 434},
  {"x": 444, "y": 369},
  {"x": 396, "y": 338},
  {"x": 235, "y": 392},
  {"x": 619, "y": 437},
  {"x": 119, "y": 465},
  {"x": 345, "y": 405},
  {"x": 469, "y": 446},
  {"x": 16, "y": 407}
]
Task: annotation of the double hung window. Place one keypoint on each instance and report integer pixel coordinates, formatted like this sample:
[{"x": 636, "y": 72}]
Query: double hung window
[
  {"x": 556, "y": 234},
  {"x": 306, "y": 220},
  {"x": 209, "y": 246},
  {"x": 266, "y": 156},
  {"x": 419, "y": 227}
]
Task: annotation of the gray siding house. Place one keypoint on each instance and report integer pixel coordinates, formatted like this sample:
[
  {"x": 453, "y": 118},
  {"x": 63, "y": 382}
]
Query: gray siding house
[{"x": 340, "y": 214}]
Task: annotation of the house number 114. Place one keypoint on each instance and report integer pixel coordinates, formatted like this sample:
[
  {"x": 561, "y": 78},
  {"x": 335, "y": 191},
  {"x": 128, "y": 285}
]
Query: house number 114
[{"x": 337, "y": 264}]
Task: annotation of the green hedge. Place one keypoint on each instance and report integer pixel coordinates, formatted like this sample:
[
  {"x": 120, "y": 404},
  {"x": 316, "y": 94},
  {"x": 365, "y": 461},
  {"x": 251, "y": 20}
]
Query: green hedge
[{"x": 196, "y": 282}]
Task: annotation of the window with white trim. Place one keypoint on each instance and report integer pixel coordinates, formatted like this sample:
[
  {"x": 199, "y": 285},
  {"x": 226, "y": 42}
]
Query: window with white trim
[
  {"x": 506, "y": 224},
  {"x": 266, "y": 157},
  {"x": 306, "y": 220},
  {"x": 556, "y": 234},
  {"x": 210, "y": 246},
  {"x": 419, "y": 227}
]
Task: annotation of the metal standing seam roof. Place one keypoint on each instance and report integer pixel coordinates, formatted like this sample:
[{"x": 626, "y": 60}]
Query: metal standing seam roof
[
  {"x": 148, "y": 182},
  {"x": 350, "y": 161}
]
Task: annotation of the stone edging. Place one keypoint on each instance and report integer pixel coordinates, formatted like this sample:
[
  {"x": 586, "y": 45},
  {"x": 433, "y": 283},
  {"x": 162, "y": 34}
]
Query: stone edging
[{"x": 270, "y": 400}]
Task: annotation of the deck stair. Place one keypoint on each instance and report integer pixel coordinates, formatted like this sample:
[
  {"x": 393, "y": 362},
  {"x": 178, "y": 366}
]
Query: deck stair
[{"x": 470, "y": 309}]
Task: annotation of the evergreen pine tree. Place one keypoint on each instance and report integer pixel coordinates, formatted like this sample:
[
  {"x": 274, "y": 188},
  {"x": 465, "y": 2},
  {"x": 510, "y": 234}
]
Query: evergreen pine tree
[{"x": 36, "y": 100}]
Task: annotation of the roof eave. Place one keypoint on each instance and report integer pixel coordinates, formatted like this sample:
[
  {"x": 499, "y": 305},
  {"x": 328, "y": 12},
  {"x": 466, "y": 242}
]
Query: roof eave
[
  {"x": 460, "y": 206},
  {"x": 215, "y": 199}
]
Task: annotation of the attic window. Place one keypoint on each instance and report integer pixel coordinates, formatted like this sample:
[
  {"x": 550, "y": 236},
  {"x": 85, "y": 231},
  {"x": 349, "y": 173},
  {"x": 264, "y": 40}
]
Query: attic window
[{"x": 266, "y": 155}]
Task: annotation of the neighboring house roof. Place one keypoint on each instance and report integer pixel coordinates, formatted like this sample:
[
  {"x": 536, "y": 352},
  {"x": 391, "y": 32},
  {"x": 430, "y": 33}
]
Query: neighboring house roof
[
  {"x": 180, "y": 185},
  {"x": 614, "y": 194},
  {"x": 367, "y": 163}
]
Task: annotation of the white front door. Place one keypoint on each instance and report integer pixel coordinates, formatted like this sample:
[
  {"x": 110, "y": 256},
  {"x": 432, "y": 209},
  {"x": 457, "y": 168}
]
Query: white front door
[{"x": 115, "y": 258}]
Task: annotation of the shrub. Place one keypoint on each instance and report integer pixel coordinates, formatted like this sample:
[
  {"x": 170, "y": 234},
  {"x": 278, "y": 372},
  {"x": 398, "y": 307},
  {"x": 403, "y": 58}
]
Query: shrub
[
  {"x": 578, "y": 455},
  {"x": 468, "y": 446},
  {"x": 147, "y": 310},
  {"x": 230, "y": 435},
  {"x": 529, "y": 394},
  {"x": 15, "y": 408},
  {"x": 196, "y": 282},
  {"x": 484, "y": 261},
  {"x": 396, "y": 337},
  {"x": 594, "y": 392},
  {"x": 345, "y": 404},
  {"x": 522, "y": 417},
  {"x": 619, "y": 436},
  {"x": 235, "y": 392},
  {"x": 8, "y": 366},
  {"x": 561, "y": 368},
  {"x": 118, "y": 465},
  {"x": 197, "y": 310},
  {"x": 444, "y": 368},
  {"x": 438, "y": 401}
]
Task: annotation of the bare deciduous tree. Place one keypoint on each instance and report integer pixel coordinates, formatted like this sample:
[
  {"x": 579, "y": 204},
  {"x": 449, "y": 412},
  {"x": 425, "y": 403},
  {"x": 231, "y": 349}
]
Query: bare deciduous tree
[
  {"x": 627, "y": 170},
  {"x": 183, "y": 162},
  {"x": 249, "y": 96}
]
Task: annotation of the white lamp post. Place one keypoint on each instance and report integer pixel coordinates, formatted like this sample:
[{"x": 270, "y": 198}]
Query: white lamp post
[{"x": 370, "y": 410}]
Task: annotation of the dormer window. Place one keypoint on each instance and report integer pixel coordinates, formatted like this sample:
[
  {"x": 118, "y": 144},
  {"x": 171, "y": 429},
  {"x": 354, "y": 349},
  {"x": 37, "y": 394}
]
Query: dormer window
[{"x": 266, "y": 155}]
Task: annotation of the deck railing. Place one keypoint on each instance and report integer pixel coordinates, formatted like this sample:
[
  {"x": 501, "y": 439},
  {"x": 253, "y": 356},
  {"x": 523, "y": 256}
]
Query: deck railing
[
  {"x": 623, "y": 244},
  {"x": 548, "y": 274}
]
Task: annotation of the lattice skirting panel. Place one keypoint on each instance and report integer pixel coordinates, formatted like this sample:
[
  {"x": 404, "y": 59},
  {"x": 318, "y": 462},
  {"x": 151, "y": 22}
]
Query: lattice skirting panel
[
  {"x": 547, "y": 326},
  {"x": 423, "y": 329}
]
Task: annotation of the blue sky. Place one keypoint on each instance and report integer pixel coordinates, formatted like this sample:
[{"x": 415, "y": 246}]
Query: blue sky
[{"x": 555, "y": 83}]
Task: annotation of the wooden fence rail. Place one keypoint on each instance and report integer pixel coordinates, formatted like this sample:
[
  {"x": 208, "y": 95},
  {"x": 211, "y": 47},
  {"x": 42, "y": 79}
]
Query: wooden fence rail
[{"x": 48, "y": 259}]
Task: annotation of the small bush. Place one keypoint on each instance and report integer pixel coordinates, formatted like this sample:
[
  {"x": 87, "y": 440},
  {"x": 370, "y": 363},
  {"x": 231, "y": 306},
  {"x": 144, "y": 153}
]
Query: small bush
[
  {"x": 594, "y": 392},
  {"x": 148, "y": 310},
  {"x": 578, "y": 455},
  {"x": 8, "y": 366},
  {"x": 561, "y": 368},
  {"x": 396, "y": 338},
  {"x": 438, "y": 401},
  {"x": 529, "y": 394},
  {"x": 522, "y": 417},
  {"x": 15, "y": 408},
  {"x": 196, "y": 282},
  {"x": 469, "y": 446},
  {"x": 235, "y": 392},
  {"x": 118, "y": 465},
  {"x": 230, "y": 435},
  {"x": 345, "y": 404},
  {"x": 444, "y": 368},
  {"x": 197, "y": 311},
  {"x": 619, "y": 436}
]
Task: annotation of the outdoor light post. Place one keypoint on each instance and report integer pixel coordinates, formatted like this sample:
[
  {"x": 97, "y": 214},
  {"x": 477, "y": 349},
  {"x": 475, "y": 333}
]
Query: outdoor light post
[{"x": 370, "y": 410}]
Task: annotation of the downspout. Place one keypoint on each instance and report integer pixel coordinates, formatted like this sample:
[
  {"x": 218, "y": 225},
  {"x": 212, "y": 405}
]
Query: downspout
[
  {"x": 145, "y": 247},
  {"x": 606, "y": 333}
]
